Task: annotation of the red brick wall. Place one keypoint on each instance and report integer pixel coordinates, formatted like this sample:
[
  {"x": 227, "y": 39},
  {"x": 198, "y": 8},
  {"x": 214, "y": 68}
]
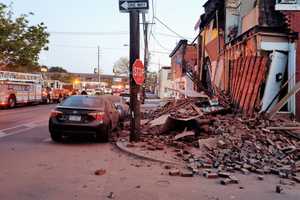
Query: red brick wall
[
  {"x": 176, "y": 60},
  {"x": 191, "y": 56},
  {"x": 175, "y": 66}
]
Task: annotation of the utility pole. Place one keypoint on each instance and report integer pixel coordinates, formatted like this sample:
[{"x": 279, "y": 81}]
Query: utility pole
[
  {"x": 136, "y": 67},
  {"x": 146, "y": 56},
  {"x": 135, "y": 121},
  {"x": 99, "y": 77}
]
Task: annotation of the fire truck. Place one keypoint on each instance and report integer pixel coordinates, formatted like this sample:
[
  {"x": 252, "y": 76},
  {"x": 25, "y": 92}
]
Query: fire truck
[
  {"x": 56, "y": 91},
  {"x": 20, "y": 88}
]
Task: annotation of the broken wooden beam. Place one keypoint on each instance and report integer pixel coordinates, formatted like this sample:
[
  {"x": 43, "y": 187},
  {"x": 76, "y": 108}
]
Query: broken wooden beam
[
  {"x": 283, "y": 101},
  {"x": 284, "y": 128}
]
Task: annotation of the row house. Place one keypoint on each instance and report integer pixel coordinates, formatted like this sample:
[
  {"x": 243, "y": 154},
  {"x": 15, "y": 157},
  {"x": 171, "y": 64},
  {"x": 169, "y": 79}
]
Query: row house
[
  {"x": 165, "y": 82},
  {"x": 183, "y": 66},
  {"x": 248, "y": 49}
]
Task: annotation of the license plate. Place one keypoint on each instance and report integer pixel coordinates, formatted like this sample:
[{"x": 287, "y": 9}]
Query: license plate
[{"x": 75, "y": 118}]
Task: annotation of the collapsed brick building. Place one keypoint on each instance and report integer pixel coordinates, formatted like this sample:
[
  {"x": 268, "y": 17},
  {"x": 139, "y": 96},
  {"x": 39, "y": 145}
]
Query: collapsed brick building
[
  {"x": 248, "y": 49},
  {"x": 183, "y": 61}
]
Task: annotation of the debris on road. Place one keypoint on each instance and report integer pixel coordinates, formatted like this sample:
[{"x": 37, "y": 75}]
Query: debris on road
[
  {"x": 261, "y": 178},
  {"x": 185, "y": 133},
  {"x": 279, "y": 189},
  {"x": 187, "y": 173},
  {"x": 111, "y": 195},
  {"x": 100, "y": 172},
  {"x": 215, "y": 141},
  {"x": 174, "y": 172}
]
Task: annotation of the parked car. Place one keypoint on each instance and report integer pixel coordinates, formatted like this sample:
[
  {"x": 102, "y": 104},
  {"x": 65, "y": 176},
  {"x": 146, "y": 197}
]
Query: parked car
[
  {"x": 150, "y": 95},
  {"x": 120, "y": 105},
  {"x": 126, "y": 97},
  {"x": 93, "y": 115},
  {"x": 108, "y": 91},
  {"x": 90, "y": 91},
  {"x": 99, "y": 91}
]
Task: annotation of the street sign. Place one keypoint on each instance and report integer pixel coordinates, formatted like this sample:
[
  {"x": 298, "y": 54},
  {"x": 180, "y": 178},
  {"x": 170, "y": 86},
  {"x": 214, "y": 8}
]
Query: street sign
[
  {"x": 138, "y": 72},
  {"x": 131, "y": 5}
]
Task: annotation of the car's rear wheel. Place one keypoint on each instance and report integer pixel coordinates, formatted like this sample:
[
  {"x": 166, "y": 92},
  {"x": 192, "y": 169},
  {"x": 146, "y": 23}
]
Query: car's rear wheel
[
  {"x": 104, "y": 137},
  {"x": 56, "y": 137}
]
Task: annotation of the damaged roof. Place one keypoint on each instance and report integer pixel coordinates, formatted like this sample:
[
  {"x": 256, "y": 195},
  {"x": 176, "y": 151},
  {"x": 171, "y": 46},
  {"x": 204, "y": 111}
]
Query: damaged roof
[
  {"x": 210, "y": 8},
  {"x": 180, "y": 43}
]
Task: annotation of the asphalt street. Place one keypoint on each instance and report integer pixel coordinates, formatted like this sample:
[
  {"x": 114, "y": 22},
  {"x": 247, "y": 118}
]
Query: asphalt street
[{"x": 34, "y": 167}]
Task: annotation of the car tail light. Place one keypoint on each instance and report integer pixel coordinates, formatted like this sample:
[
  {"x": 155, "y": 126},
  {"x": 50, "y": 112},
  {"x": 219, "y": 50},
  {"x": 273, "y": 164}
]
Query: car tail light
[
  {"x": 98, "y": 116},
  {"x": 56, "y": 113}
]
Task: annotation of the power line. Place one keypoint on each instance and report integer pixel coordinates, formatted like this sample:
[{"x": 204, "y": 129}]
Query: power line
[
  {"x": 116, "y": 33},
  {"x": 109, "y": 33},
  {"x": 153, "y": 17},
  {"x": 159, "y": 52},
  {"x": 73, "y": 46},
  {"x": 157, "y": 41},
  {"x": 84, "y": 47},
  {"x": 165, "y": 25},
  {"x": 171, "y": 36}
]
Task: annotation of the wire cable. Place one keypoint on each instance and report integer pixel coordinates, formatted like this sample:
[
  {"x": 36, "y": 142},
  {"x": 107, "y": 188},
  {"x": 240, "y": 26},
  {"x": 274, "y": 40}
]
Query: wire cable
[
  {"x": 166, "y": 26},
  {"x": 117, "y": 33},
  {"x": 157, "y": 41},
  {"x": 84, "y": 47},
  {"x": 171, "y": 36},
  {"x": 152, "y": 23}
]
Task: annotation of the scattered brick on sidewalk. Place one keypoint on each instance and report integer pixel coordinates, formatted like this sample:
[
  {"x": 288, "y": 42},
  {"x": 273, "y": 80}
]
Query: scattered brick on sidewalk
[
  {"x": 223, "y": 140},
  {"x": 174, "y": 172}
]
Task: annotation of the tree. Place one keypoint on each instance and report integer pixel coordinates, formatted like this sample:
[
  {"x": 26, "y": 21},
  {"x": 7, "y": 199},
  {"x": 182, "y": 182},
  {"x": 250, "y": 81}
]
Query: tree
[
  {"x": 63, "y": 77},
  {"x": 57, "y": 69},
  {"x": 61, "y": 74},
  {"x": 20, "y": 43},
  {"x": 121, "y": 67},
  {"x": 151, "y": 81}
]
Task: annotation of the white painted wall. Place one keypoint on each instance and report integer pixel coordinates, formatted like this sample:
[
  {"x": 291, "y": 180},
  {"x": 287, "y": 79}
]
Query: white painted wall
[{"x": 164, "y": 83}]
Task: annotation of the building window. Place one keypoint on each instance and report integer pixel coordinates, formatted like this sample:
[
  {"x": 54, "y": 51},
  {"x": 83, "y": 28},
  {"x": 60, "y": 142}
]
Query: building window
[{"x": 169, "y": 76}]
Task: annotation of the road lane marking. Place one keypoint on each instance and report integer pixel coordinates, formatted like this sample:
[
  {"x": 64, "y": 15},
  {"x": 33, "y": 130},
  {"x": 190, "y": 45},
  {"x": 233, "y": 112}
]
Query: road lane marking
[
  {"x": 22, "y": 128},
  {"x": 14, "y": 133},
  {"x": 25, "y": 110},
  {"x": 2, "y": 134},
  {"x": 32, "y": 124},
  {"x": 47, "y": 140}
]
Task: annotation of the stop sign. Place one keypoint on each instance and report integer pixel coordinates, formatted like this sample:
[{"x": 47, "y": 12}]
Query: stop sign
[{"x": 138, "y": 72}]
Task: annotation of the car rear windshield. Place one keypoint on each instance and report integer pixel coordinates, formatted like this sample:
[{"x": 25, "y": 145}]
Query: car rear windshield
[
  {"x": 83, "y": 102},
  {"x": 125, "y": 95},
  {"x": 113, "y": 99}
]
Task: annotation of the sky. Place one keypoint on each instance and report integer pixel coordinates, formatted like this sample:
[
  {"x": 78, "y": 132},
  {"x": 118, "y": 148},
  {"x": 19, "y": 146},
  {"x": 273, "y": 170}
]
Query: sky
[{"x": 77, "y": 27}]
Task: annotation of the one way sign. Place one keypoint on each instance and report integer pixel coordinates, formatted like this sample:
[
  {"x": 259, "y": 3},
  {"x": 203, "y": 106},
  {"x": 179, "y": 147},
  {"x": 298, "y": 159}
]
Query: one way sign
[{"x": 130, "y": 5}]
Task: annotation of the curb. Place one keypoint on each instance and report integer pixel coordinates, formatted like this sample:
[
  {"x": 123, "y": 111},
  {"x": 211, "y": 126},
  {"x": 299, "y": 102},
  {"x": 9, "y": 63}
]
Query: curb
[{"x": 123, "y": 148}]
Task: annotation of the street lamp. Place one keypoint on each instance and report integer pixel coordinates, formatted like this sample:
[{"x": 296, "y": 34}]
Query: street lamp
[
  {"x": 44, "y": 69},
  {"x": 99, "y": 78},
  {"x": 76, "y": 81}
]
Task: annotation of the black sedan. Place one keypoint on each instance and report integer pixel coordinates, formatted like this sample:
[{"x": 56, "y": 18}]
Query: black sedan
[
  {"x": 120, "y": 104},
  {"x": 93, "y": 115}
]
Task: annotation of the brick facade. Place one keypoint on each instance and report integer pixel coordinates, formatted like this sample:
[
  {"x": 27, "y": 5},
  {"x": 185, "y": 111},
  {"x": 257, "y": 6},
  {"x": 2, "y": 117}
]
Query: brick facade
[{"x": 293, "y": 20}]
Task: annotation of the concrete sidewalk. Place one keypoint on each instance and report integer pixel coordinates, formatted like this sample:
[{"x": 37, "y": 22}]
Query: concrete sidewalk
[{"x": 139, "y": 150}]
